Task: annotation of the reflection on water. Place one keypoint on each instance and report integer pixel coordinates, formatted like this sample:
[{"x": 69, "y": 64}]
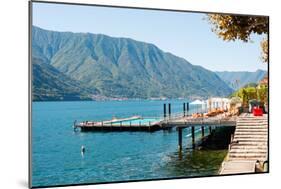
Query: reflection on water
[
  {"x": 195, "y": 162},
  {"x": 205, "y": 159}
]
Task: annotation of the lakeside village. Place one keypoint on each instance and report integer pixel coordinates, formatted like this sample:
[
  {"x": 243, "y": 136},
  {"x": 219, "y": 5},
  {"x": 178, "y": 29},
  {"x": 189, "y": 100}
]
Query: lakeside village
[
  {"x": 98, "y": 97},
  {"x": 252, "y": 95}
]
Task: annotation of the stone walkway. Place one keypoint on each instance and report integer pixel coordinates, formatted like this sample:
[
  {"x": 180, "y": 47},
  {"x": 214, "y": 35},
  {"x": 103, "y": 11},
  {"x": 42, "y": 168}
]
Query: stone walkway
[{"x": 249, "y": 145}]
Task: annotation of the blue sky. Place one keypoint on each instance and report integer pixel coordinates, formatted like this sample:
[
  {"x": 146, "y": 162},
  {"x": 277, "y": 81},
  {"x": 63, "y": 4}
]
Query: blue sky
[{"x": 186, "y": 35}]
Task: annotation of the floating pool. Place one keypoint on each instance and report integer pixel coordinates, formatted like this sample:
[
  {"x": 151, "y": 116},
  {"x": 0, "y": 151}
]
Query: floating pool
[{"x": 137, "y": 121}]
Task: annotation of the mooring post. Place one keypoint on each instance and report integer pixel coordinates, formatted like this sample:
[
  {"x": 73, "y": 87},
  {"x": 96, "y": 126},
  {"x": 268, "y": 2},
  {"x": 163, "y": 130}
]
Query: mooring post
[
  {"x": 74, "y": 125},
  {"x": 169, "y": 109},
  {"x": 202, "y": 129},
  {"x": 193, "y": 137},
  {"x": 183, "y": 109},
  {"x": 210, "y": 130},
  {"x": 164, "y": 109},
  {"x": 187, "y": 108},
  {"x": 180, "y": 138}
]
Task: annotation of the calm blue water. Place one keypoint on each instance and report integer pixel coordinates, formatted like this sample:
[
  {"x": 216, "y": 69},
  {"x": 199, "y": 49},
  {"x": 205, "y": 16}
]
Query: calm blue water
[{"x": 110, "y": 156}]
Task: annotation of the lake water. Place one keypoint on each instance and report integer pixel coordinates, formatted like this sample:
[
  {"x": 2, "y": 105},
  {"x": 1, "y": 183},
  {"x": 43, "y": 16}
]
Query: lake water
[{"x": 110, "y": 156}]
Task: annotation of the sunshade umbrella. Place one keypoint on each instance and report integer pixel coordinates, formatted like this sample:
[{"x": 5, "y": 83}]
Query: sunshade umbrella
[{"x": 198, "y": 103}]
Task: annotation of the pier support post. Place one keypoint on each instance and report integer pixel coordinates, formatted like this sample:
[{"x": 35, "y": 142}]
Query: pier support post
[
  {"x": 210, "y": 130},
  {"x": 203, "y": 132},
  {"x": 193, "y": 136},
  {"x": 169, "y": 109},
  {"x": 164, "y": 110},
  {"x": 74, "y": 126},
  {"x": 180, "y": 138},
  {"x": 139, "y": 125},
  {"x": 187, "y": 108},
  {"x": 183, "y": 109}
]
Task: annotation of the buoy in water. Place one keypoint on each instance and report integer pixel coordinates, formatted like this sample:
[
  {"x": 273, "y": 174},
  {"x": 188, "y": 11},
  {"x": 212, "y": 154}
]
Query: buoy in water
[
  {"x": 74, "y": 126},
  {"x": 83, "y": 149}
]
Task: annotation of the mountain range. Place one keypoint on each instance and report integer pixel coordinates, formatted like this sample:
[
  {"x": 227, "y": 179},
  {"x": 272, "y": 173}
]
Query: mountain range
[
  {"x": 78, "y": 66},
  {"x": 239, "y": 79},
  {"x": 51, "y": 84}
]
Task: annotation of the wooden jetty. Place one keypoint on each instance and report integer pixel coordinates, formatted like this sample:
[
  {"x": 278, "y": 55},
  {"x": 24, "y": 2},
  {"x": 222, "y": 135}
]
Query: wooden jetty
[
  {"x": 178, "y": 121},
  {"x": 248, "y": 151},
  {"x": 204, "y": 122},
  {"x": 188, "y": 121},
  {"x": 132, "y": 123}
]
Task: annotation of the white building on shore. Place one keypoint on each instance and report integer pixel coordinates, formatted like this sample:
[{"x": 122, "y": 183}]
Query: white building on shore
[
  {"x": 218, "y": 103},
  {"x": 214, "y": 103}
]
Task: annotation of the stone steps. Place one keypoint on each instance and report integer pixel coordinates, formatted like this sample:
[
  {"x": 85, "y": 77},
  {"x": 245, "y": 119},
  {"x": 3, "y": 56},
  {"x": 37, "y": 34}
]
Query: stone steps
[
  {"x": 250, "y": 133},
  {"x": 247, "y": 155},
  {"x": 262, "y": 151},
  {"x": 253, "y": 139},
  {"x": 249, "y": 147},
  {"x": 251, "y": 130},
  {"x": 250, "y": 144},
  {"x": 252, "y": 126},
  {"x": 247, "y": 158}
]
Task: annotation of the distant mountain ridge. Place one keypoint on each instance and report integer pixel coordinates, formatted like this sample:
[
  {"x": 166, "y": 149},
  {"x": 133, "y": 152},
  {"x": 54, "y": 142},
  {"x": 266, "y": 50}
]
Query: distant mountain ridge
[
  {"x": 238, "y": 79},
  {"x": 120, "y": 67}
]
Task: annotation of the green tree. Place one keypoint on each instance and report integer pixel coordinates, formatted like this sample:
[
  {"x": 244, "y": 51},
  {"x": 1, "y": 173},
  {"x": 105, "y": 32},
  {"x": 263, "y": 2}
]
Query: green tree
[
  {"x": 246, "y": 94},
  {"x": 262, "y": 93},
  {"x": 233, "y": 27}
]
